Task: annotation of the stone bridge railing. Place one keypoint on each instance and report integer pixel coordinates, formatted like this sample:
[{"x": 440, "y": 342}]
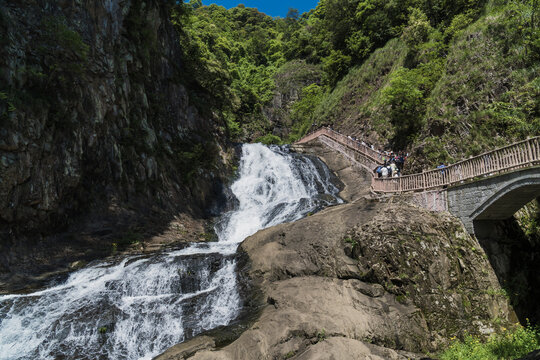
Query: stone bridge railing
[{"x": 515, "y": 156}]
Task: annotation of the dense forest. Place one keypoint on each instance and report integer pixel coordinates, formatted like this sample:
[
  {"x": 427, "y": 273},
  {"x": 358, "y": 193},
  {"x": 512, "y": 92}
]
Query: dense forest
[{"x": 402, "y": 74}]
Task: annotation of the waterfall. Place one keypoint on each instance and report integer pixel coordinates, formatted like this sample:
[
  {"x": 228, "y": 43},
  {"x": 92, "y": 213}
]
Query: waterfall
[{"x": 138, "y": 306}]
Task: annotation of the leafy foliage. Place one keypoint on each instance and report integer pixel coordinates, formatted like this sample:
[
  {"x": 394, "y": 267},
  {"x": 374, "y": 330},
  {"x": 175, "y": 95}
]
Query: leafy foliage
[
  {"x": 508, "y": 345},
  {"x": 417, "y": 30},
  {"x": 269, "y": 139},
  {"x": 303, "y": 110},
  {"x": 195, "y": 158},
  {"x": 529, "y": 219},
  {"x": 231, "y": 56},
  {"x": 412, "y": 71},
  {"x": 335, "y": 66},
  {"x": 405, "y": 98}
]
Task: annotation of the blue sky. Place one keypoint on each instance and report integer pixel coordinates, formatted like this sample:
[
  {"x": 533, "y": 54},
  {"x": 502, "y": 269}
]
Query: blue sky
[{"x": 269, "y": 7}]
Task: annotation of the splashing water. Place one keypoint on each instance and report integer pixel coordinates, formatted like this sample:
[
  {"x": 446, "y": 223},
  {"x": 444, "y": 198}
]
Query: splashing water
[{"x": 138, "y": 307}]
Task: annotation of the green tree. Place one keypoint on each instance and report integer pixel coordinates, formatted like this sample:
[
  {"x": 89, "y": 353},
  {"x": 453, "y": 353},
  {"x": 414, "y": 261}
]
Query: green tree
[
  {"x": 417, "y": 30},
  {"x": 406, "y": 100},
  {"x": 195, "y": 4},
  {"x": 293, "y": 14},
  {"x": 335, "y": 67},
  {"x": 359, "y": 45},
  {"x": 303, "y": 109}
]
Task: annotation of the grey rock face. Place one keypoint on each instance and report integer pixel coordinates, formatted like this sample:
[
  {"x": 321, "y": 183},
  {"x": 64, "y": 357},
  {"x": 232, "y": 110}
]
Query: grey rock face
[{"x": 93, "y": 116}]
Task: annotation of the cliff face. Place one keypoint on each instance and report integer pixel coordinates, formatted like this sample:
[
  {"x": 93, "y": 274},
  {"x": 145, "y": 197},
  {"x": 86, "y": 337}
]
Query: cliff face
[
  {"x": 94, "y": 122},
  {"x": 290, "y": 79}
]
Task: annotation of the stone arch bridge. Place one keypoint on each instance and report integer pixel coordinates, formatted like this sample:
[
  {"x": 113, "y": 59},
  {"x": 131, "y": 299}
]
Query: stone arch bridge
[{"x": 486, "y": 188}]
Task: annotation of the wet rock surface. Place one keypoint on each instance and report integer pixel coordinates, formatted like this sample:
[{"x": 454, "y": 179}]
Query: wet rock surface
[{"x": 367, "y": 279}]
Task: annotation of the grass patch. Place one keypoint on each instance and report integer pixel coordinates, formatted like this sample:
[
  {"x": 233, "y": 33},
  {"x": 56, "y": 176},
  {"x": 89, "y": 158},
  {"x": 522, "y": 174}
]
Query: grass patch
[
  {"x": 510, "y": 344},
  {"x": 321, "y": 335},
  {"x": 402, "y": 299}
]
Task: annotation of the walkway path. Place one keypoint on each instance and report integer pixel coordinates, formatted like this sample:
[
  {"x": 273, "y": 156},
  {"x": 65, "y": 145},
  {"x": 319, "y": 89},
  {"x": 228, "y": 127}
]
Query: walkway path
[
  {"x": 519, "y": 155},
  {"x": 481, "y": 190}
]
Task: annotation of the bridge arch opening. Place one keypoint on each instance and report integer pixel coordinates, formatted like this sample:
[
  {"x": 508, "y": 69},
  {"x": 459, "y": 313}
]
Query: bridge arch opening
[
  {"x": 513, "y": 254},
  {"x": 504, "y": 203}
]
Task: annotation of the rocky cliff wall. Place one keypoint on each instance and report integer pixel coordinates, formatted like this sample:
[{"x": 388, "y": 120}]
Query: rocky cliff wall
[
  {"x": 95, "y": 123},
  {"x": 290, "y": 79}
]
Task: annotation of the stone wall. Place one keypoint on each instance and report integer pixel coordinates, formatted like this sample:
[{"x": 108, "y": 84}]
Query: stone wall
[{"x": 433, "y": 200}]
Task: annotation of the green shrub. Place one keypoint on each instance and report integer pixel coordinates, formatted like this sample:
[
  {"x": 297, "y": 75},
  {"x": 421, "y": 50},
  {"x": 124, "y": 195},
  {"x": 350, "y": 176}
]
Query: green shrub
[
  {"x": 290, "y": 354},
  {"x": 417, "y": 30},
  {"x": 232, "y": 126},
  {"x": 359, "y": 45},
  {"x": 406, "y": 101},
  {"x": 528, "y": 218},
  {"x": 303, "y": 109},
  {"x": 401, "y": 298},
  {"x": 459, "y": 23},
  {"x": 351, "y": 241},
  {"x": 335, "y": 66},
  {"x": 508, "y": 345},
  {"x": 321, "y": 335},
  {"x": 269, "y": 139}
]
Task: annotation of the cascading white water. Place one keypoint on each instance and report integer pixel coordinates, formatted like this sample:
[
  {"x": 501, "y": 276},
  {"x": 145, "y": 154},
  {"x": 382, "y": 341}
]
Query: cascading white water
[{"x": 137, "y": 307}]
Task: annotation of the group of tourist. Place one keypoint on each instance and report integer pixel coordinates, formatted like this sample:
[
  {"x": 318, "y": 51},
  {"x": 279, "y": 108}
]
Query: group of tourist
[
  {"x": 363, "y": 143},
  {"x": 392, "y": 165},
  {"x": 392, "y": 162}
]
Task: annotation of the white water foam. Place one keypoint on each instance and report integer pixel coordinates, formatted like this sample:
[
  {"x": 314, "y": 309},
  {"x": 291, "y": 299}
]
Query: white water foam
[{"x": 138, "y": 307}]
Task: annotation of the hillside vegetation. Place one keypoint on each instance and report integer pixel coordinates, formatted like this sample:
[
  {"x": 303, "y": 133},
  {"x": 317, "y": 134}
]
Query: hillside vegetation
[{"x": 442, "y": 80}]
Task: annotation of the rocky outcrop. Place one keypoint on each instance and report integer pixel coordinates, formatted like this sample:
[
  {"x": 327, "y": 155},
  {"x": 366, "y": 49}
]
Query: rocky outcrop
[
  {"x": 97, "y": 133},
  {"x": 367, "y": 279}
]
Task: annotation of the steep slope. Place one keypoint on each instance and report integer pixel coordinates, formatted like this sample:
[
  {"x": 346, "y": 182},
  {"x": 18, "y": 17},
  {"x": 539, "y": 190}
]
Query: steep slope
[
  {"x": 466, "y": 88},
  {"x": 97, "y": 131},
  {"x": 489, "y": 93},
  {"x": 413, "y": 75}
]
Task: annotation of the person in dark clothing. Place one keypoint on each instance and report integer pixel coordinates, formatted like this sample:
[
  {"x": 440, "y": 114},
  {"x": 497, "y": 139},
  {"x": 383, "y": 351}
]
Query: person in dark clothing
[
  {"x": 442, "y": 166},
  {"x": 378, "y": 171}
]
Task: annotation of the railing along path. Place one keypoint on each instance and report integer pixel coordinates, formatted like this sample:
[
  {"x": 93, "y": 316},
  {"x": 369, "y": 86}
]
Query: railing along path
[
  {"x": 522, "y": 154},
  {"x": 365, "y": 150}
]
